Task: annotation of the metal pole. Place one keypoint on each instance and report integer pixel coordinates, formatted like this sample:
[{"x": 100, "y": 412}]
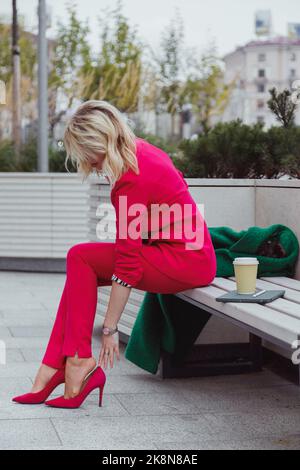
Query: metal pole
[
  {"x": 43, "y": 124},
  {"x": 16, "y": 124}
]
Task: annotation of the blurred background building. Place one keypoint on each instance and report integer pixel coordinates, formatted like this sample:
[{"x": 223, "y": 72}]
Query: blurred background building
[{"x": 257, "y": 67}]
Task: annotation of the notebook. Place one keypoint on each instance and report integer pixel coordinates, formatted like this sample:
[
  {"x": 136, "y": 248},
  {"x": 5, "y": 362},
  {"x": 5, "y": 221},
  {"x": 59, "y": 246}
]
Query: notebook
[{"x": 264, "y": 298}]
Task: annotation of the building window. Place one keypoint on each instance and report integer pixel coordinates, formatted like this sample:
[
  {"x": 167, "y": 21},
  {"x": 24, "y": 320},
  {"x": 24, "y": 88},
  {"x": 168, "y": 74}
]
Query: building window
[
  {"x": 261, "y": 73},
  {"x": 260, "y": 119},
  {"x": 260, "y": 104},
  {"x": 293, "y": 73},
  {"x": 261, "y": 57},
  {"x": 293, "y": 57},
  {"x": 261, "y": 88}
]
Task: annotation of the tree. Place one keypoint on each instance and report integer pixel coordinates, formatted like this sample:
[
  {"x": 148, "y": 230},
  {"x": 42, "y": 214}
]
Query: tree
[
  {"x": 206, "y": 89},
  {"x": 283, "y": 107},
  {"x": 16, "y": 102},
  {"x": 28, "y": 58},
  {"x": 71, "y": 54},
  {"x": 115, "y": 75},
  {"x": 171, "y": 68}
]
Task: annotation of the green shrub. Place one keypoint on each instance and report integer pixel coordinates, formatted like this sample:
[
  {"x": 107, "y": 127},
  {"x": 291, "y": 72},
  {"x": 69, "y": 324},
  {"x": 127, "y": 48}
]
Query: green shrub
[
  {"x": 6, "y": 155},
  {"x": 57, "y": 158},
  {"x": 169, "y": 147},
  {"x": 28, "y": 159},
  {"x": 282, "y": 152},
  {"x": 237, "y": 150},
  {"x": 25, "y": 163},
  {"x": 229, "y": 150}
]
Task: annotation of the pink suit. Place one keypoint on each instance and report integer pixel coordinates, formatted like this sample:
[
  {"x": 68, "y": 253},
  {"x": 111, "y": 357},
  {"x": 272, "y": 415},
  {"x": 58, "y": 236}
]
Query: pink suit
[{"x": 159, "y": 263}]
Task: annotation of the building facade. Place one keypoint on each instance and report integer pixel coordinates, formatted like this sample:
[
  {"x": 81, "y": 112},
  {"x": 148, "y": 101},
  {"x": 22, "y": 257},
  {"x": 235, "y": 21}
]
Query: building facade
[{"x": 256, "y": 68}]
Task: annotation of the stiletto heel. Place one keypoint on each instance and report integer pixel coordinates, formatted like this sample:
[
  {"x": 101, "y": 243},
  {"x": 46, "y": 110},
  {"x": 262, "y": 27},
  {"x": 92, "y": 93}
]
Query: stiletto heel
[
  {"x": 100, "y": 395},
  {"x": 96, "y": 379},
  {"x": 40, "y": 397}
]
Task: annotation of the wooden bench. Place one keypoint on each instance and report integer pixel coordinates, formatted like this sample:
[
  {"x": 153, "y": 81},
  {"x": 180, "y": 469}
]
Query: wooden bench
[{"x": 277, "y": 322}]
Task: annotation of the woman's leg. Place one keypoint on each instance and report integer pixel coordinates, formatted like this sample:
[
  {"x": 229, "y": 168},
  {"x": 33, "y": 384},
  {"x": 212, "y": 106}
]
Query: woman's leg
[
  {"x": 54, "y": 358},
  {"x": 81, "y": 288},
  {"x": 88, "y": 266}
]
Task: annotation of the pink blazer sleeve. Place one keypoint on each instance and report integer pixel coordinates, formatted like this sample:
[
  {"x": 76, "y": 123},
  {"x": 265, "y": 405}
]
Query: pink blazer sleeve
[{"x": 128, "y": 266}]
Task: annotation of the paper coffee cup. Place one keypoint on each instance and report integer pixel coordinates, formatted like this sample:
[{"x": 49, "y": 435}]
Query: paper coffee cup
[{"x": 245, "y": 270}]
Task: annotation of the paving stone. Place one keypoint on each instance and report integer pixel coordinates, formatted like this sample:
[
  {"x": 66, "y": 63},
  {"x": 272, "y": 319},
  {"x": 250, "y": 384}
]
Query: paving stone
[
  {"x": 120, "y": 432},
  {"x": 4, "y": 333},
  {"x": 39, "y": 318},
  {"x": 13, "y": 356},
  {"x": 24, "y": 343},
  {"x": 245, "y": 401},
  {"x": 10, "y": 410},
  {"x": 30, "y": 332},
  {"x": 246, "y": 381},
  {"x": 33, "y": 354},
  {"x": 25, "y": 369},
  {"x": 157, "y": 404},
  {"x": 12, "y": 386},
  {"x": 245, "y": 426},
  {"x": 272, "y": 443},
  {"x": 15, "y": 434},
  {"x": 265, "y": 443}
]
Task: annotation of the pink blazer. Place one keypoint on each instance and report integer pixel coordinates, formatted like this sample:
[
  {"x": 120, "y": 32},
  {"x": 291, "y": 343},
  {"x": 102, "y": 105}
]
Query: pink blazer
[{"x": 160, "y": 182}]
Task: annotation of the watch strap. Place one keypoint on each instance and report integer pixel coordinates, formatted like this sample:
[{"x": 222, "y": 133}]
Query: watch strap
[{"x": 111, "y": 330}]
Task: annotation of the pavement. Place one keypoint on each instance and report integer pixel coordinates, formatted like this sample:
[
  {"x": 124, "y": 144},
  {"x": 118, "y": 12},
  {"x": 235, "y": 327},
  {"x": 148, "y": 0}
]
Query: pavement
[{"x": 140, "y": 410}]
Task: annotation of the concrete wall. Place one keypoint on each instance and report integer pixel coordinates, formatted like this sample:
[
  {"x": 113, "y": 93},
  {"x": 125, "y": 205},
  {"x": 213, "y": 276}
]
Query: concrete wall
[{"x": 278, "y": 202}]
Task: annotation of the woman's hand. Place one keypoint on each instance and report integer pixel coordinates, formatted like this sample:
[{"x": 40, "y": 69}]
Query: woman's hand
[{"x": 110, "y": 345}]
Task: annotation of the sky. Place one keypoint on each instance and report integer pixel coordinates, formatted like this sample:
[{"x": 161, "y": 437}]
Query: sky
[{"x": 229, "y": 23}]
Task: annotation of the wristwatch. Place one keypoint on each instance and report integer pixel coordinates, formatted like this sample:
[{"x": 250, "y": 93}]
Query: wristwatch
[{"x": 109, "y": 331}]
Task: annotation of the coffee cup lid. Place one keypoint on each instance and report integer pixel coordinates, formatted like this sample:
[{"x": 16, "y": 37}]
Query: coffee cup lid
[{"x": 246, "y": 261}]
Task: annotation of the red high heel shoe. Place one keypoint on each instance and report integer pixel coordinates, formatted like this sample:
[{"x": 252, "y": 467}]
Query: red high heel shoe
[
  {"x": 96, "y": 379},
  {"x": 40, "y": 397}
]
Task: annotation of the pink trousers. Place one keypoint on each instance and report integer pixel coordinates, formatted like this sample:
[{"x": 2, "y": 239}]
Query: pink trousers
[{"x": 88, "y": 266}]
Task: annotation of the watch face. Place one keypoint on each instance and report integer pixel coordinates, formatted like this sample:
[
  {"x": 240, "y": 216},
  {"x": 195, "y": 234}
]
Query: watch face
[{"x": 106, "y": 331}]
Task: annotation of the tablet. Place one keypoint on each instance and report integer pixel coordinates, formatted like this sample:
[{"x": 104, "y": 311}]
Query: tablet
[{"x": 264, "y": 298}]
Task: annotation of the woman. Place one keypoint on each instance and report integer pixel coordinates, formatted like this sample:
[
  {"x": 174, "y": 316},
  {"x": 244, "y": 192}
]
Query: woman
[{"x": 151, "y": 253}]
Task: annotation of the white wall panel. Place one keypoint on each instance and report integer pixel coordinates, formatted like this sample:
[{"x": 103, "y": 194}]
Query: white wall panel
[{"x": 42, "y": 215}]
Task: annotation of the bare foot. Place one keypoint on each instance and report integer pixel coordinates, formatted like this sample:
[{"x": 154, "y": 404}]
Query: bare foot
[
  {"x": 44, "y": 375},
  {"x": 76, "y": 371}
]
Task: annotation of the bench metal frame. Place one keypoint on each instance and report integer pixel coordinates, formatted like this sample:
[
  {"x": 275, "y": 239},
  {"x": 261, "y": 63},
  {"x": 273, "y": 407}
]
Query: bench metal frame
[{"x": 200, "y": 368}]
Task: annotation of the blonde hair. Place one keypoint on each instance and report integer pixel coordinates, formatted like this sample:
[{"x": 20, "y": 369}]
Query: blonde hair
[{"x": 98, "y": 126}]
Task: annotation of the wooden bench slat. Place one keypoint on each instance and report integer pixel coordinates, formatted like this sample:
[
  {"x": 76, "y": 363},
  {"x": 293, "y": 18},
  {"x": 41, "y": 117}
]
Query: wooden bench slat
[
  {"x": 284, "y": 282},
  {"x": 290, "y": 304},
  {"x": 290, "y": 294},
  {"x": 291, "y": 309},
  {"x": 272, "y": 322}
]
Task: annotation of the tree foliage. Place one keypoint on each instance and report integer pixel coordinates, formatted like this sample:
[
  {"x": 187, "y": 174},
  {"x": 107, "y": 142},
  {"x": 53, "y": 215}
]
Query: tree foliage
[
  {"x": 283, "y": 107},
  {"x": 69, "y": 57},
  {"x": 28, "y": 59},
  {"x": 115, "y": 74},
  {"x": 206, "y": 89}
]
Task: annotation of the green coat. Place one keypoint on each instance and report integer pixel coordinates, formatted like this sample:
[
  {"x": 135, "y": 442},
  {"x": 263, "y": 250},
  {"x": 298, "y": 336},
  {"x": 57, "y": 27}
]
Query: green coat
[{"x": 161, "y": 320}]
